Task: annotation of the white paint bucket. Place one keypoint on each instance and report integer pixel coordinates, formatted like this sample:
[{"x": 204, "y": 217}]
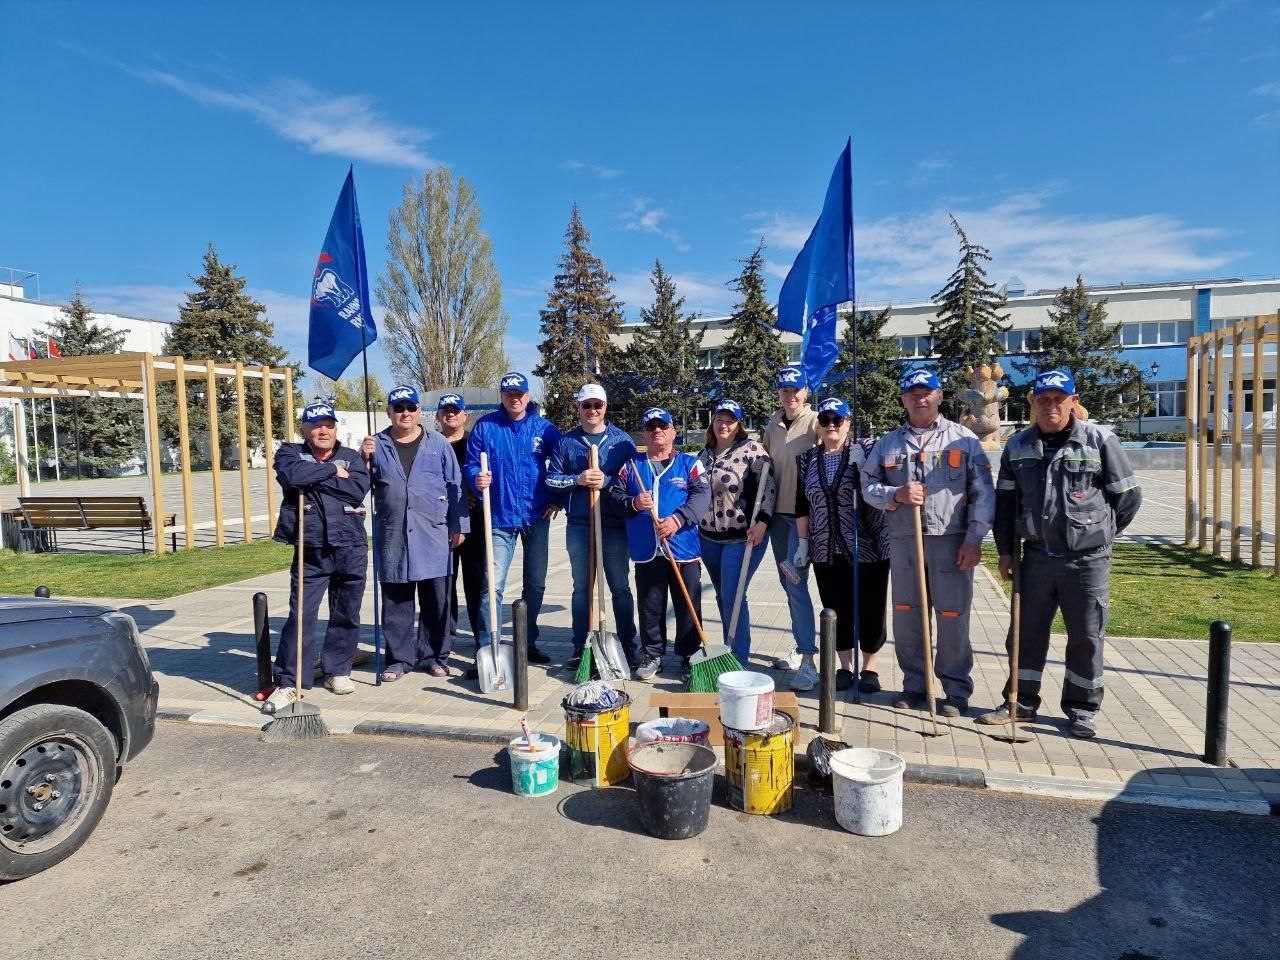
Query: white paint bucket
[
  {"x": 868, "y": 790},
  {"x": 746, "y": 699},
  {"x": 534, "y": 773}
]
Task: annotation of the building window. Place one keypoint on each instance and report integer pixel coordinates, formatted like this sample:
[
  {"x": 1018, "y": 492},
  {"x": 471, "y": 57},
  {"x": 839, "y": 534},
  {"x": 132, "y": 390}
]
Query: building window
[
  {"x": 712, "y": 359},
  {"x": 915, "y": 348},
  {"x": 793, "y": 352},
  {"x": 1156, "y": 333},
  {"x": 1020, "y": 341}
]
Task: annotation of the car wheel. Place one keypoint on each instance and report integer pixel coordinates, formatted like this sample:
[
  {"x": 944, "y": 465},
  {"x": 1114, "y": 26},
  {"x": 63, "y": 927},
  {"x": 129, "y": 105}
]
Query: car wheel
[{"x": 57, "y": 769}]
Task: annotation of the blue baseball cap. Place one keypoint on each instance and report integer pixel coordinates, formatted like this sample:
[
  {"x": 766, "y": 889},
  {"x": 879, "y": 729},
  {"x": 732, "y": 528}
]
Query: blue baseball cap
[
  {"x": 318, "y": 410},
  {"x": 921, "y": 378},
  {"x": 450, "y": 400},
  {"x": 514, "y": 381},
  {"x": 834, "y": 405},
  {"x": 1054, "y": 380},
  {"x": 731, "y": 407},
  {"x": 402, "y": 394},
  {"x": 655, "y": 413},
  {"x": 792, "y": 377}
]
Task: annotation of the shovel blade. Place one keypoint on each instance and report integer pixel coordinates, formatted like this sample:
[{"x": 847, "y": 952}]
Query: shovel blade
[
  {"x": 496, "y": 667},
  {"x": 610, "y": 662}
]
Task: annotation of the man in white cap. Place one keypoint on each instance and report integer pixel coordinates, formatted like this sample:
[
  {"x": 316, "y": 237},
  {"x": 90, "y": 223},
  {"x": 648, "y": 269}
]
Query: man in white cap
[{"x": 571, "y": 474}]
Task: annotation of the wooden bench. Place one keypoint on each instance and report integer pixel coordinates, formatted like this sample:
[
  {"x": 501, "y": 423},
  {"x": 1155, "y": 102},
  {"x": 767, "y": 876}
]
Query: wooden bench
[{"x": 93, "y": 513}]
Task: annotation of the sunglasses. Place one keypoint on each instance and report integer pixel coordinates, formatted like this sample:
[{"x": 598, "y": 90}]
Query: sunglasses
[
  {"x": 405, "y": 408},
  {"x": 654, "y": 426},
  {"x": 830, "y": 420},
  {"x": 592, "y": 404}
]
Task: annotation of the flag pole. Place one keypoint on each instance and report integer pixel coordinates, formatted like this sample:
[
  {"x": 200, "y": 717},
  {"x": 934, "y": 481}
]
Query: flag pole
[
  {"x": 857, "y": 642},
  {"x": 377, "y": 566}
]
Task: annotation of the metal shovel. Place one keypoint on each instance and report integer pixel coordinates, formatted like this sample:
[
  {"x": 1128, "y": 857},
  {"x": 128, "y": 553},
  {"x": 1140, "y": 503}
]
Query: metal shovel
[
  {"x": 495, "y": 664},
  {"x": 606, "y": 649}
]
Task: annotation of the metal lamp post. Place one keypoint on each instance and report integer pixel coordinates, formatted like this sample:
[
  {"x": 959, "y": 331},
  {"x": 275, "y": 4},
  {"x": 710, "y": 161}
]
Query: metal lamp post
[{"x": 1142, "y": 390}]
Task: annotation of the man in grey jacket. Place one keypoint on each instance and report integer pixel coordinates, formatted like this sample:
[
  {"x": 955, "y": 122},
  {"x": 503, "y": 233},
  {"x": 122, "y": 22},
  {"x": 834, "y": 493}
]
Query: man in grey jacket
[
  {"x": 939, "y": 468},
  {"x": 1066, "y": 488}
]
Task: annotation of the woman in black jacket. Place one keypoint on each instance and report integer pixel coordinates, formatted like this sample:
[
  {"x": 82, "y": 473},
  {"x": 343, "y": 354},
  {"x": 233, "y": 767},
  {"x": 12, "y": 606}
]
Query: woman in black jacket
[{"x": 828, "y": 498}]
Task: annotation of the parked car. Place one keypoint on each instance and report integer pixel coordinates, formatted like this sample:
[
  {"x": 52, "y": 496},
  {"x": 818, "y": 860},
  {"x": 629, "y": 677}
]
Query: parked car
[{"x": 77, "y": 701}]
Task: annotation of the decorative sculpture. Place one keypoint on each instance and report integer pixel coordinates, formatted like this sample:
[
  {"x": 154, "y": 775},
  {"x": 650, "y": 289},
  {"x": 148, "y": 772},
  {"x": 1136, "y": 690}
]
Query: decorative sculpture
[{"x": 984, "y": 397}]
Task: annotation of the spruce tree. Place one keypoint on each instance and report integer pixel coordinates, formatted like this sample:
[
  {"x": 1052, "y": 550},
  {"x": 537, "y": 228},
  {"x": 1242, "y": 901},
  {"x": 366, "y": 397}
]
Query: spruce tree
[
  {"x": 1079, "y": 339},
  {"x": 580, "y": 317},
  {"x": 968, "y": 325},
  {"x": 660, "y": 365},
  {"x": 95, "y": 434},
  {"x": 754, "y": 353},
  {"x": 221, "y": 322},
  {"x": 879, "y": 371}
]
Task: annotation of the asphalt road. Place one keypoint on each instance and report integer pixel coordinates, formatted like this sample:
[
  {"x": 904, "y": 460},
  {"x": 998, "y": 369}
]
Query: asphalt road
[{"x": 217, "y": 846}]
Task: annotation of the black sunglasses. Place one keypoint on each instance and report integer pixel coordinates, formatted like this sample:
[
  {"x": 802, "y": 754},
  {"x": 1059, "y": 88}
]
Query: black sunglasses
[
  {"x": 653, "y": 426},
  {"x": 405, "y": 408},
  {"x": 830, "y": 419},
  {"x": 592, "y": 404}
]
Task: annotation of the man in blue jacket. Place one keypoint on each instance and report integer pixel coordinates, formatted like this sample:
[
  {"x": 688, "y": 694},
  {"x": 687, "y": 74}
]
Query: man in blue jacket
[
  {"x": 333, "y": 483},
  {"x": 419, "y": 516},
  {"x": 571, "y": 474},
  {"x": 519, "y": 442},
  {"x": 674, "y": 486}
]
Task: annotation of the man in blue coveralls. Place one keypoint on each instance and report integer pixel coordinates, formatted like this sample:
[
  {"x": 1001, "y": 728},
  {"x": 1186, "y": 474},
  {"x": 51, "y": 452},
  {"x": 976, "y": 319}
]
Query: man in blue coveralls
[{"x": 333, "y": 483}]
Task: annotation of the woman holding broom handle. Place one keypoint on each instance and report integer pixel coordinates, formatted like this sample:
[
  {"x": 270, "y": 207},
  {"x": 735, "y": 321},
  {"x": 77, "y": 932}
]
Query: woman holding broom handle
[
  {"x": 828, "y": 498},
  {"x": 734, "y": 529}
]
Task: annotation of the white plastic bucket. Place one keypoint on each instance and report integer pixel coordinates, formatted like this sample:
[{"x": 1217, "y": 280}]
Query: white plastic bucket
[
  {"x": 673, "y": 730},
  {"x": 868, "y": 790},
  {"x": 534, "y": 773},
  {"x": 746, "y": 699}
]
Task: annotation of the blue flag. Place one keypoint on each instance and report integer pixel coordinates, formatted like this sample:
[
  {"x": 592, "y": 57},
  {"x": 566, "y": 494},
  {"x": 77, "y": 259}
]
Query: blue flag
[
  {"x": 822, "y": 277},
  {"x": 341, "y": 324}
]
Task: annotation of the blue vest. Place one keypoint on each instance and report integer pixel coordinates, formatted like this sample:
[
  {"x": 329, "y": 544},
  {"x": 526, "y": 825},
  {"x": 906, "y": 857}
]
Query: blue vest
[{"x": 670, "y": 494}]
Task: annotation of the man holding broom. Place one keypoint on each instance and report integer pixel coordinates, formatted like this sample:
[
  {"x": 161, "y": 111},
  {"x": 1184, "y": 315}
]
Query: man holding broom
[
  {"x": 1066, "y": 488},
  {"x": 664, "y": 493}
]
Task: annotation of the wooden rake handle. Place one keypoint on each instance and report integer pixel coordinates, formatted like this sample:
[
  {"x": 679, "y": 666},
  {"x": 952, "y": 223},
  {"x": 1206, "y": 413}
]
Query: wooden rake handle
[{"x": 675, "y": 567}]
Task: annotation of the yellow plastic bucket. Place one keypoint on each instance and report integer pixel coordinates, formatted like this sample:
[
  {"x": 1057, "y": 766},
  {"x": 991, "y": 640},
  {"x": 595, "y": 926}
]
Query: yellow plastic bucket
[
  {"x": 760, "y": 766},
  {"x": 596, "y": 743}
]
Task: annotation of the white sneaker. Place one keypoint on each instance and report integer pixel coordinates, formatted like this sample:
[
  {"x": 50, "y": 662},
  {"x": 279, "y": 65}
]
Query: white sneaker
[
  {"x": 340, "y": 685},
  {"x": 806, "y": 678},
  {"x": 790, "y": 662},
  {"x": 280, "y": 697}
]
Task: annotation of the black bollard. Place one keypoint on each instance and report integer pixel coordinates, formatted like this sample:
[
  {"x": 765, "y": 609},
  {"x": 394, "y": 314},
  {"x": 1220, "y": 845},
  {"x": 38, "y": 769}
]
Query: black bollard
[
  {"x": 520, "y": 655},
  {"x": 262, "y": 636},
  {"x": 827, "y": 673},
  {"x": 1215, "y": 720},
  {"x": 42, "y": 592}
]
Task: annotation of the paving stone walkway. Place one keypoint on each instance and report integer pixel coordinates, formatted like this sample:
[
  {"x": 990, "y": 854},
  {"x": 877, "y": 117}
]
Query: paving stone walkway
[{"x": 1150, "y": 733}]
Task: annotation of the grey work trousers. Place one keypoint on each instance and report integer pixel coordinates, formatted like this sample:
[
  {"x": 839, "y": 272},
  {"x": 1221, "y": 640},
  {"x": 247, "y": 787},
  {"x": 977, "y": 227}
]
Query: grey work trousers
[
  {"x": 1081, "y": 587},
  {"x": 951, "y": 591}
]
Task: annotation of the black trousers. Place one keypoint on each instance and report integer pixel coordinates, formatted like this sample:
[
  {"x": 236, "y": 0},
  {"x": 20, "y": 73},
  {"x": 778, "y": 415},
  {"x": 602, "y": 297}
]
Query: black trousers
[
  {"x": 340, "y": 571},
  {"x": 835, "y": 587},
  {"x": 469, "y": 560},
  {"x": 654, "y": 581},
  {"x": 431, "y": 643}
]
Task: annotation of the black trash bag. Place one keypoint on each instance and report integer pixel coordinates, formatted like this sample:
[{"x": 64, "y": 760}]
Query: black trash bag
[{"x": 819, "y": 752}]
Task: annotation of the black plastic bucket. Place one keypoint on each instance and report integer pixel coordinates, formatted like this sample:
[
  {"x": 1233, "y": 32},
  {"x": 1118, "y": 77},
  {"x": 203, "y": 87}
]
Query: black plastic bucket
[{"x": 673, "y": 782}]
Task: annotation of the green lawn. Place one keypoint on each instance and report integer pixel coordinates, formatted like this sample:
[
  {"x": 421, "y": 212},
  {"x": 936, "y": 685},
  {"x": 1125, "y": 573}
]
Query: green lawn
[
  {"x": 1158, "y": 590},
  {"x": 137, "y": 575}
]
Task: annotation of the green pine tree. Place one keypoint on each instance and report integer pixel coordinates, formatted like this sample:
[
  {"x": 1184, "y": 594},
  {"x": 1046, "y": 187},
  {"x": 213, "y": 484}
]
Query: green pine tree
[
  {"x": 968, "y": 325},
  {"x": 879, "y": 398},
  {"x": 221, "y": 322},
  {"x": 660, "y": 365},
  {"x": 348, "y": 392},
  {"x": 580, "y": 317},
  {"x": 1079, "y": 339},
  {"x": 754, "y": 353},
  {"x": 96, "y": 435}
]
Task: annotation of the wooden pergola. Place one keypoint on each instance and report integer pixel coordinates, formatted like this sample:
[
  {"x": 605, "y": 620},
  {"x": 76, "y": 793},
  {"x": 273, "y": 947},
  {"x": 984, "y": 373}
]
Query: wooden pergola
[{"x": 133, "y": 376}]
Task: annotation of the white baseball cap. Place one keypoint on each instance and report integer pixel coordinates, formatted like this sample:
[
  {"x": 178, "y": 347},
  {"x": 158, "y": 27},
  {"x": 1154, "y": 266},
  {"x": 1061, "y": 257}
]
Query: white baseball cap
[{"x": 591, "y": 391}]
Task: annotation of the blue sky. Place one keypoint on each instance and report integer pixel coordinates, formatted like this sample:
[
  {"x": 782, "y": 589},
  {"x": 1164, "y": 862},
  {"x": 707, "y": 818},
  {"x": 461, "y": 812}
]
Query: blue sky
[{"x": 1129, "y": 141}]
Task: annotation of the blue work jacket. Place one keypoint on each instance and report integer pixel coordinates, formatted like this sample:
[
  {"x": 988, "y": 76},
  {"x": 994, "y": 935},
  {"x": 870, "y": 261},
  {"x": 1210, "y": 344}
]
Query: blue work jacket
[
  {"x": 572, "y": 457},
  {"x": 334, "y": 506},
  {"x": 413, "y": 516},
  {"x": 682, "y": 491},
  {"x": 518, "y": 452}
]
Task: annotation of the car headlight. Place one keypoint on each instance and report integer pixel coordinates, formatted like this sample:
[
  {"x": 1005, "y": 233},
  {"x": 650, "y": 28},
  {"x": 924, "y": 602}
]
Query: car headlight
[{"x": 125, "y": 625}]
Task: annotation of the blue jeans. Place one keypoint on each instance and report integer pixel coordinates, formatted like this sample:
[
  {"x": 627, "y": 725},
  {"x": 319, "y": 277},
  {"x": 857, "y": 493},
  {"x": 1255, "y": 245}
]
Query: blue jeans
[
  {"x": 724, "y": 564},
  {"x": 617, "y": 573},
  {"x": 782, "y": 537},
  {"x": 535, "y": 537}
]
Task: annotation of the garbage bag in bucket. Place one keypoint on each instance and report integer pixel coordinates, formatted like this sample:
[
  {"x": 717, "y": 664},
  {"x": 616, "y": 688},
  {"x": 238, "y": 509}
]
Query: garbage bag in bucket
[
  {"x": 673, "y": 730},
  {"x": 868, "y": 790}
]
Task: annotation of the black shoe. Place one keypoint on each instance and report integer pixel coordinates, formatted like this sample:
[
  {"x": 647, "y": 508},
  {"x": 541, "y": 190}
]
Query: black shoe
[
  {"x": 685, "y": 671},
  {"x": 648, "y": 668},
  {"x": 844, "y": 679},
  {"x": 1083, "y": 727},
  {"x": 1000, "y": 716},
  {"x": 910, "y": 701},
  {"x": 573, "y": 663},
  {"x": 537, "y": 656},
  {"x": 869, "y": 681},
  {"x": 471, "y": 674},
  {"x": 954, "y": 707}
]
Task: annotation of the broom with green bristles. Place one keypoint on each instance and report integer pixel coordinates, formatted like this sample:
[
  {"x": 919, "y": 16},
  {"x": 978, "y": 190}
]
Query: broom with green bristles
[
  {"x": 583, "y": 673},
  {"x": 706, "y": 664}
]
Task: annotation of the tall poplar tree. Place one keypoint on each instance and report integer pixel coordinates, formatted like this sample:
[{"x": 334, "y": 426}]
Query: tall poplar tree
[
  {"x": 754, "y": 353},
  {"x": 580, "y": 317},
  {"x": 879, "y": 371},
  {"x": 1079, "y": 339},
  {"x": 968, "y": 323}
]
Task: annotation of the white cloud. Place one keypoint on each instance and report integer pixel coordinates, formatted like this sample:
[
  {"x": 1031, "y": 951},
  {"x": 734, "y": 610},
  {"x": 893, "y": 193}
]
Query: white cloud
[
  {"x": 595, "y": 169},
  {"x": 927, "y": 170},
  {"x": 781, "y": 231},
  {"x": 703, "y": 294},
  {"x": 1267, "y": 89},
  {"x": 148, "y": 302},
  {"x": 649, "y": 219},
  {"x": 1212, "y": 12},
  {"x": 344, "y": 125}
]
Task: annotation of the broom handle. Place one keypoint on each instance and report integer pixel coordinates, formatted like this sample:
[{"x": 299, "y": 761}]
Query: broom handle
[
  {"x": 675, "y": 567},
  {"x": 297, "y": 620},
  {"x": 923, "y": 589},
  {"x": 746, "y": 555},
  {"x": 597, "y": 508},
  {"x": 593, "y": 551},
  {"x": 1016, "y": 624}
]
